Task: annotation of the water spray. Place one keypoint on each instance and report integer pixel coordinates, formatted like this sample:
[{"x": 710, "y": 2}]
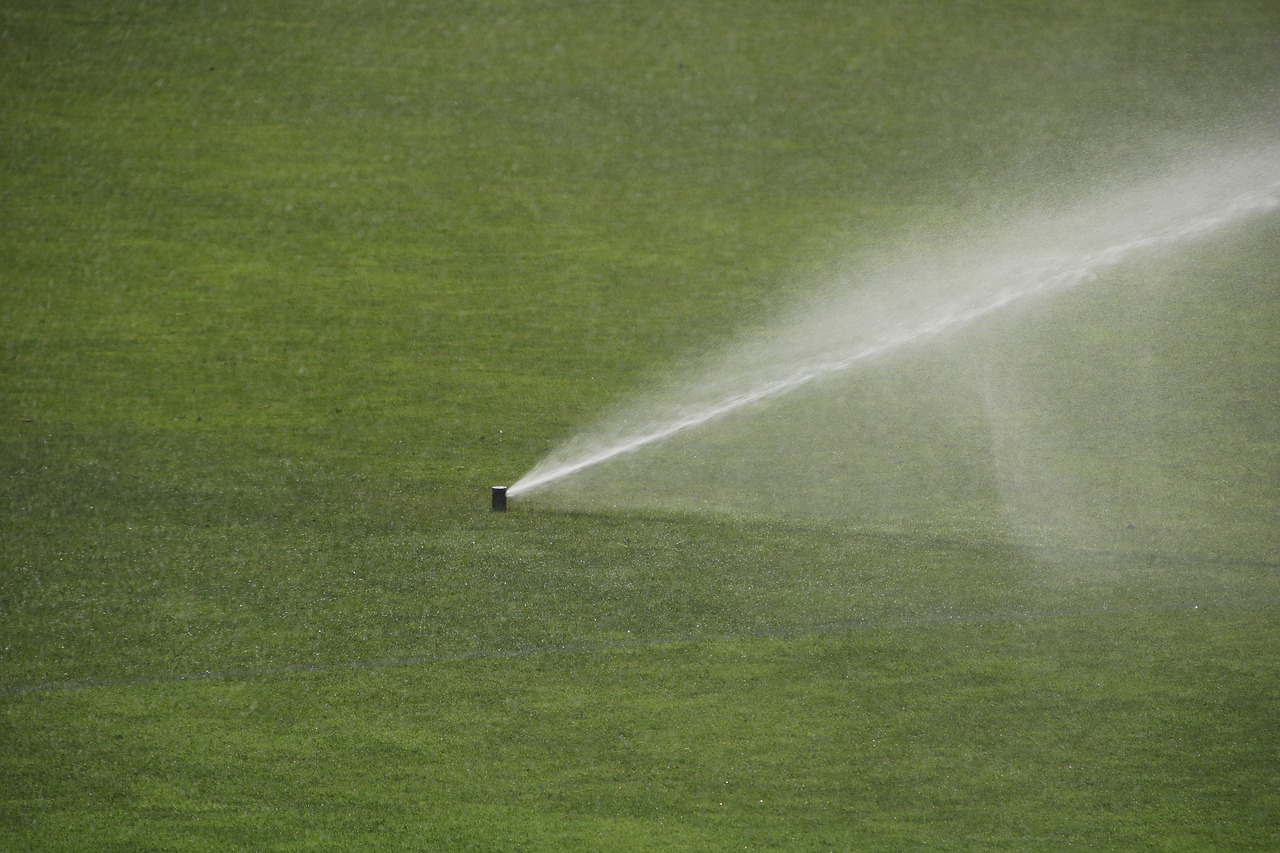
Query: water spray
[{"x": 1046, "y": 256}]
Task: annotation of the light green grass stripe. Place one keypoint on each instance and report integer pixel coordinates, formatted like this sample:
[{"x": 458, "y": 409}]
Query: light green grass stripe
[{"x": 778, "y": 633}]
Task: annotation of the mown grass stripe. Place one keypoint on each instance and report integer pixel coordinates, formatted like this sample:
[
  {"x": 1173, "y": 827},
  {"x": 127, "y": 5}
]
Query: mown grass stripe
[{"x": 778, "y": 633}]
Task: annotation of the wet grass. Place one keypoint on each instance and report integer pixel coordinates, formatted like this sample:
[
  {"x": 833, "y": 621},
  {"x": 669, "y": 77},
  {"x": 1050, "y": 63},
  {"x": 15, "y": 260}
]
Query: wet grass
[{"x": 284, "y": 289}]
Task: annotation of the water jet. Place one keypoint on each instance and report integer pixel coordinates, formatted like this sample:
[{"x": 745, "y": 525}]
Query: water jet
[{"x": 935, "y": 285}]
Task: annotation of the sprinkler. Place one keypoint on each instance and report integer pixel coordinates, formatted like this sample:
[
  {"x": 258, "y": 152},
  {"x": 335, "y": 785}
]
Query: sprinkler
[{"x": 499, "y": 498}]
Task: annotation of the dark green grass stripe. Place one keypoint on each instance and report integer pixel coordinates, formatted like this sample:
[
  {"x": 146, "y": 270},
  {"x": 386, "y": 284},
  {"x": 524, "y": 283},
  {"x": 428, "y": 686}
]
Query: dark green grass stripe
[{"x": 925, "y": 620}]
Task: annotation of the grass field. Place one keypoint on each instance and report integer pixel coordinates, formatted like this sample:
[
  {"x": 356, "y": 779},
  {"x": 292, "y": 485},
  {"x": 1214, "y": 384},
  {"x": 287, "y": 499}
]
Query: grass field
[{"x": 286, "y": 286}]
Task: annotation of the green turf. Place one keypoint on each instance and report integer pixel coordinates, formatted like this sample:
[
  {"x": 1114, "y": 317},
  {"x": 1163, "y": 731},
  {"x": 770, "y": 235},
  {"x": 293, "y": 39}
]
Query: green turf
[{"x": 284, "y": 287}]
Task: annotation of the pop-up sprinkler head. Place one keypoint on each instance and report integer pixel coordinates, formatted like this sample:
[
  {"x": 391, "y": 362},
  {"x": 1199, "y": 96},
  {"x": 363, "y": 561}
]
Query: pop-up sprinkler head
[{"x": 499, "y": 498}]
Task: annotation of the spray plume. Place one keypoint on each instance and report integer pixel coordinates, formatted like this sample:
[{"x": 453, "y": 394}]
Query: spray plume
[{"x": 933, "y": 286}]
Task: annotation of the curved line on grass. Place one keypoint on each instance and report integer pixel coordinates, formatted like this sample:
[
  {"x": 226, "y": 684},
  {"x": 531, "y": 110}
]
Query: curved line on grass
[{"x": 776, "y": 633}]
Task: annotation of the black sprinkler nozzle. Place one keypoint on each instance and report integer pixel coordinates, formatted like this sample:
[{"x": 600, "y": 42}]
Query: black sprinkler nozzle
[{"x": 499, "y": 498}]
